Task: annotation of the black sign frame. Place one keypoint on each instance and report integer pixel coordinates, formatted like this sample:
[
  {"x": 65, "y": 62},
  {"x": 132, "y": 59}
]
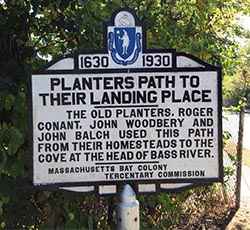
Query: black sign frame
[{"x": 202, "y": 66}]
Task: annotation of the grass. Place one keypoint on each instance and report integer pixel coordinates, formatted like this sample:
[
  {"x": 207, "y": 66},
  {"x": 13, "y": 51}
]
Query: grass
[{"x": 231, "y": 148}]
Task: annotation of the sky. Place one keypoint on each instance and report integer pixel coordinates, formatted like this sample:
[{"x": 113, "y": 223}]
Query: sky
[{"x": 245, "y": 21}]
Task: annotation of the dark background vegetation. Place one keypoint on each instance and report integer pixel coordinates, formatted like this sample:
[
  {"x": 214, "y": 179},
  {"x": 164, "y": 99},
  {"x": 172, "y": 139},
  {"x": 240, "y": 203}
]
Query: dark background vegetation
[{"x": 35, "y": 31}]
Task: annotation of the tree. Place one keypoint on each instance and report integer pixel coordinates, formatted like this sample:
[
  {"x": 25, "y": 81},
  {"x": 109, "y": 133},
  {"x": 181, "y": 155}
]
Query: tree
[
  {"x": 237, "y": 87},
  {"x": 33, "y": 31}
]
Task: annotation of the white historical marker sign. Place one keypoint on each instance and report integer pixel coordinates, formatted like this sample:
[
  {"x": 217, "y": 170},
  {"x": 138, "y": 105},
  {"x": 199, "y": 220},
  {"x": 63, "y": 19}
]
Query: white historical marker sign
[{"x": 127, "y": 114}]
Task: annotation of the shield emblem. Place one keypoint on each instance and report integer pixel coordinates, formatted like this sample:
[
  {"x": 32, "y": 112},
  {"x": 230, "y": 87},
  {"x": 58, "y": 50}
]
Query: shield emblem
[{"x": 124, "y": 41}]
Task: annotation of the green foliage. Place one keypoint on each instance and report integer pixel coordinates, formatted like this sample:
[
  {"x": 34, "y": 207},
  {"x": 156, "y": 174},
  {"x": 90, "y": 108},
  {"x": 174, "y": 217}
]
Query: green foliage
[
  {"x": 237, "y": 87},
  {"x": 161, "y": 211},
  {"x": 198, "y": 27},
  {"x": 65, "y": 211},
  {"x": 225, "y": 137},
  {"x": 33, "y": 31}
]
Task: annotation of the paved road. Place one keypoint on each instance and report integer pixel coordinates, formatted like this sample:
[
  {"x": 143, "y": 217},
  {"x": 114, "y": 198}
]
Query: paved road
[
  {"x": 241, "y": 219},
  {"x": 232, "y": 125},
  {"x": 245, "y": 188}
]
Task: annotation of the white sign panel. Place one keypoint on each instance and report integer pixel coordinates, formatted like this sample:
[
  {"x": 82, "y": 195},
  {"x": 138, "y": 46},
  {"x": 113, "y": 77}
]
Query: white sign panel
[{"x": 114, "y": 126}]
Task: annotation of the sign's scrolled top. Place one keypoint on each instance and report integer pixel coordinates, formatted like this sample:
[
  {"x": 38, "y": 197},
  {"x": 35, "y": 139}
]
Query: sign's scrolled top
[{"x": 126, "y": 114}]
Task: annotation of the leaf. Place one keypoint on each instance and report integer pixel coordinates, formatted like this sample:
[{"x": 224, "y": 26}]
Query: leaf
[
  {"x": 71, "y": 216},
  {"x": 3, "y": 225},
  {"x": 9, "y": 101},
  {"x": 90, "y": 222},
  {"x": 5, "y": 199},
  {"x": 16, "y": 140}
]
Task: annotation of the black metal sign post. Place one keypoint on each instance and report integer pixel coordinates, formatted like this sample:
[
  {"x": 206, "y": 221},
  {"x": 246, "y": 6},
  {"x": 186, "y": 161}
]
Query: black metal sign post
[{"x": 126, "y": 114}]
